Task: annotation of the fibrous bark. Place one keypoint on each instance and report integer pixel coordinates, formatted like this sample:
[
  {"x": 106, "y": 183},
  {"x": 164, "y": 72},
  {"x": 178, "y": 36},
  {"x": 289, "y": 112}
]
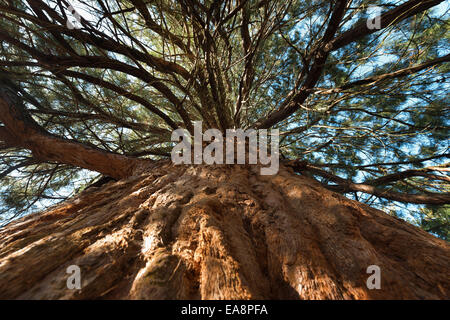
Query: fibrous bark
[{"x": 223, "y": 232}]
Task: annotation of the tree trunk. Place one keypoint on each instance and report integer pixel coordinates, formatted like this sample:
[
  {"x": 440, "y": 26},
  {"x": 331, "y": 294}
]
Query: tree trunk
[{"x": 222, "y": 232}]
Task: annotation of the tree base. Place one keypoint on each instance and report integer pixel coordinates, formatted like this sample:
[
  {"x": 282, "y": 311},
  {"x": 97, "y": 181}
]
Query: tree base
[{"x": 223, "y": 232}]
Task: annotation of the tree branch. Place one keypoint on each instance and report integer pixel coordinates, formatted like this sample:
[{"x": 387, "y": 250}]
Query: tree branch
[
  {"x": 328, "y": 45},
  {"x": 415, "y": 161},
  {"x": 53, "y": 63},
  {"x": 392, "y": 75},
  {"x": 407, "y": 174},
  {"x": 22, "y": 131},
  {"x": 346, "y": 186},
  {"x": 402, "y": 12},
  {"x": 321, "y": 53}
]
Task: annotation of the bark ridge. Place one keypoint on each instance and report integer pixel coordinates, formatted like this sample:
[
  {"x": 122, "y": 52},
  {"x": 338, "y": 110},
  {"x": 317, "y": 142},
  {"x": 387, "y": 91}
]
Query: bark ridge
[{"x": 224, "y": 232}]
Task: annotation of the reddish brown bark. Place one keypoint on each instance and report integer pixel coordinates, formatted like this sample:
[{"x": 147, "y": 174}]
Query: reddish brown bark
[
  {"x": 21, "y": 131},
  {"x": 224, "y": 232}
]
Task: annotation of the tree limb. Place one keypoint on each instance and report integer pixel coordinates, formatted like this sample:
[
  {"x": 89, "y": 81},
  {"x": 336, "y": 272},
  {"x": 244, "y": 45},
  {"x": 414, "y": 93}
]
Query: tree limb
[
  {"x": 22, "y": 131},
  {"x": 321, "y": 53},
  {"x": 328, "y": 45},
  {"x": 346, "y": 186},
  {"x": 402, "y": 12}
]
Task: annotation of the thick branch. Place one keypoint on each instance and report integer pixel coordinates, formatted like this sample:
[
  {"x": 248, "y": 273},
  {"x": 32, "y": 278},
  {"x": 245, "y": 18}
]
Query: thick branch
[
  {"x": 121, "y": 91},
  {"x": 429, "y": 198},
  {"x": 407, "y": 174},
  {"x": 8, "y": 139},
  {"x": 346, "y": 186},
  {"x": 393, "y": 75},
  {"x": 152, "y": 25},
  {"x": 52, "y": 62},
  {"x": 22, "y": 131},
  {"x": 389, "y": 18},
  {"x": 415, "y": 161},
  {"x": 103, "y": 41},
  {"x": 328, "y": 44},
  {"x": 314, "y": 74}
]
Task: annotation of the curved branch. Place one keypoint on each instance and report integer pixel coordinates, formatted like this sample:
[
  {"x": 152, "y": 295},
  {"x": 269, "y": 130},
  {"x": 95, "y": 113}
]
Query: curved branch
[
  {"x": 328, "y": 45},
  {"x": 321, "y": 54},
  {"x": 402, "y": 12},
  {"x": 415, "y": 161},
  {"x": 346, "y": 186},
  {"x": 392, "y": 75},
  {"x": 108, "y": 85},
  {"x": 22, "y": 131},
  {"x": 103, "y": 41},
  {"x": 52, "y": 62},
  {"x": 407, "y": 174},
  {"x": 23, "y": 164}
]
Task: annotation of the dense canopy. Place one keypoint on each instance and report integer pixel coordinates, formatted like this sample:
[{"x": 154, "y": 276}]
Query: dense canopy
[{"x": 363, "y": 107}]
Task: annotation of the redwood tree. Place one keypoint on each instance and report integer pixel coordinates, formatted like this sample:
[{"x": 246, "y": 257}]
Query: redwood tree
[{"x": 89, "y": 99}]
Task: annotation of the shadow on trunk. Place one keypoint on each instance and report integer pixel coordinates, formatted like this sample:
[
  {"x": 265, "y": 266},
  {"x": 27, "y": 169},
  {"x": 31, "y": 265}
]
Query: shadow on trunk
[{"x": 224, "y": 232}]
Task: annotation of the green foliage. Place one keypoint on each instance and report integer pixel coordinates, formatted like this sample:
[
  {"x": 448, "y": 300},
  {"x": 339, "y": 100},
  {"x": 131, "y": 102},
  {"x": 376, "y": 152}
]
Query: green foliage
[{"x": 436, "y": 220}]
